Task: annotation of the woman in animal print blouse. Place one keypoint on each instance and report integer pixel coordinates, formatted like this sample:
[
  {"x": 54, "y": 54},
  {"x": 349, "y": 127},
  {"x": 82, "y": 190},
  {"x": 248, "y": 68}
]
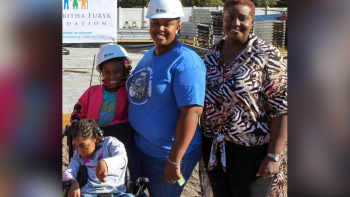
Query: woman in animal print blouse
[{"x": 245, "y": 110}]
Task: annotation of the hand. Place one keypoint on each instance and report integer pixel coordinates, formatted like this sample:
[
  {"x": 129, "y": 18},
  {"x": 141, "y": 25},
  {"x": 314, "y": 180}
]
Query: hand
[
  {"x": 101, "y": 170},
  {"x": 171, "y": 174},
  {"x": 267, "y": 167},
  {"x": 74, "y": 190}
]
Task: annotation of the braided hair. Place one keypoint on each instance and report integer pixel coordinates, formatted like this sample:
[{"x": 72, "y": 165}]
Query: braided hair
[{"x": 88, "y": 129}]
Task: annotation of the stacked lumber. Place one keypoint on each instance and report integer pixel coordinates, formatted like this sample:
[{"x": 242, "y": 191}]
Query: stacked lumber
[
  {"x": 205, "y": 26},
  {"x": 217, "y": 25},
  {"x": 205, "y": 35},
  {"x": 188, "y": 31},
  {"x": 263, "y": 29},
  {"x": 200, "y": 16},
  {"x": 209, "y": 28},
  {"x": 279, "y": 33}
]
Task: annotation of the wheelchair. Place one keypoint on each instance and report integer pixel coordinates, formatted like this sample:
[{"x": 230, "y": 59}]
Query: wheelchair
[{"x": 140, "y": 185}]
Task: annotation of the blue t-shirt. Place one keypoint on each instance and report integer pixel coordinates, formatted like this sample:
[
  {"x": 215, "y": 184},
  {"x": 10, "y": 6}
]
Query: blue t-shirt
[
  {"x": 157, "y": 88},
  {"x": 107, "y": 110}
]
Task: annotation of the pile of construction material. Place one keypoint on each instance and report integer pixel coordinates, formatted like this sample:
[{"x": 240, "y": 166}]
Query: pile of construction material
[
  {"x": 188, "y": 30},
  {"x": 206, "y": 28},
  {"x": 200, "y": 16},
  {"x": 271, "y": 31},
  {"x": 204, "y": 25},
  {"x": 279, "y": 33},
  {"x": 263, "y": 29},
  {"x": 133, "y": 34},
  {"x": 205, "y": 35},
  {"x": 217, "y": 22}
]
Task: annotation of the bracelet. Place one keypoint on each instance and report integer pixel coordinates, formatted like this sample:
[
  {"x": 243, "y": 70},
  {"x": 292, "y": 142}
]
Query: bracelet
[{"x": 176, "y": 165}]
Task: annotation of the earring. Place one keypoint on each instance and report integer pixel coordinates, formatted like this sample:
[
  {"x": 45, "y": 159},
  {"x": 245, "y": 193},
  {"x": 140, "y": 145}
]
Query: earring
[{"x": 176, "y": 32}]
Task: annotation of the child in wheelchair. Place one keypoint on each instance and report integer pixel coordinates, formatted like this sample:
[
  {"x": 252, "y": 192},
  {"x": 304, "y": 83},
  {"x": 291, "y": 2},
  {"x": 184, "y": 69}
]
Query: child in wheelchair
[{"x": 104, "y": 158}]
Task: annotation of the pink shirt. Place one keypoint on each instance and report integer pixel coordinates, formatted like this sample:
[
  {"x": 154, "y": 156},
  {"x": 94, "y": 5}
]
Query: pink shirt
[{"x": 89, "y": 104}]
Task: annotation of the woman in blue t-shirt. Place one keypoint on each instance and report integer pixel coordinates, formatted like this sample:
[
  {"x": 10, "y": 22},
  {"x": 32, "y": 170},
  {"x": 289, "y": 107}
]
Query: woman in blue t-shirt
[{"x": 166, "y": 97}]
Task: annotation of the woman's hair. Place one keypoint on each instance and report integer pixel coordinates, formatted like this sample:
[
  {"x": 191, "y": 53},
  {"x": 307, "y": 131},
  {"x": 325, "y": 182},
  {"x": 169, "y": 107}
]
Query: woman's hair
[
  {"x": 125, "y": 61},
  {"x": 86, "y": 129},
  {"x": 248, "y": 3}
]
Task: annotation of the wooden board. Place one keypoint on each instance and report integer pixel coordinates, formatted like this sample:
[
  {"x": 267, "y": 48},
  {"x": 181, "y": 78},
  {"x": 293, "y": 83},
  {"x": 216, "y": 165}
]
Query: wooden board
[
  {"x": 188, "y": 41},
  {"x": 77, "y": 71},
  {"x": 65, "y": 120}
]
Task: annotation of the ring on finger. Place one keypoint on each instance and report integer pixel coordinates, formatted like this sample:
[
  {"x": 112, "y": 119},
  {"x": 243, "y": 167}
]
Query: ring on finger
[{"x": 272, "y": 175}]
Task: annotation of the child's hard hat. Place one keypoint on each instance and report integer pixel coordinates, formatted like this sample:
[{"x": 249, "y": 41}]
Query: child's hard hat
[
  {"x": 110, "y": 51},
  {"x": 164, "y": 9}
]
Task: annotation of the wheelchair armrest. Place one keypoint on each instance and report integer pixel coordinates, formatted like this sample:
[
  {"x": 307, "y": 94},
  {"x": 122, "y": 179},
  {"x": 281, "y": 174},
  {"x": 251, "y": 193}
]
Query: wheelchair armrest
[
  {"x": 66, "y": 185},
  {"x": 65, "y": 188}
]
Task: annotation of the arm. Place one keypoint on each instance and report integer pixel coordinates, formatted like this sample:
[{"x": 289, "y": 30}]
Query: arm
[
  {"x": 275, "y": 92},
  {"x": 80, "y": 107},
  {"x": 278, "y": 134},
  {"x": 73, "y": 168},
  {"x": 184, "y": 132},
  {"x": 74, "y": 190},
  {"x": 278, "y": 137},
  {"x": 116, "y": 159},
  {"x": 70, "y": 175},
  {"x": 189, "y": 91}
]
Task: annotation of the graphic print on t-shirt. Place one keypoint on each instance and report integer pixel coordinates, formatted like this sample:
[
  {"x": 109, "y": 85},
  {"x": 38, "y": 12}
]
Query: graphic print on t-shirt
[
  {"x": 107, "y": 109},
  {"x": 139, "y": 86},
  {"x": 106, "y": 113}
]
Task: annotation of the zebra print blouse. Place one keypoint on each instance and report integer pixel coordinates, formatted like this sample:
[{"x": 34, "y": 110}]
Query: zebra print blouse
[{"x": 241, "y": 100}]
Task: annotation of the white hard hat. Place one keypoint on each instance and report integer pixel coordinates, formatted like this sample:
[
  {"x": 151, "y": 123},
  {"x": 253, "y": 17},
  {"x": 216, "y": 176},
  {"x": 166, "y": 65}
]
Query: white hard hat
[
  {"x": 164, "y": 9},
  {"x": 110, "y": 51}
]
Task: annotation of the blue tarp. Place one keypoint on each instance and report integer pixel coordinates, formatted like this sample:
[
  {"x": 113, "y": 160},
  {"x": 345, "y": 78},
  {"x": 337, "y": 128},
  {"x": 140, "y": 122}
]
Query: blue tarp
[{"x": 267, "y": 17}]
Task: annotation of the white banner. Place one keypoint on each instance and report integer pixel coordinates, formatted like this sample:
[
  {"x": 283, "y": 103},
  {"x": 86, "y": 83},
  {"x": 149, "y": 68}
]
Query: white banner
[{"x": 89, "y": 21}]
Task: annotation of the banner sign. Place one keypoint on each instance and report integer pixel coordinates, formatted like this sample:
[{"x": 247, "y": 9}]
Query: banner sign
[{"x": 89, "y": 21}]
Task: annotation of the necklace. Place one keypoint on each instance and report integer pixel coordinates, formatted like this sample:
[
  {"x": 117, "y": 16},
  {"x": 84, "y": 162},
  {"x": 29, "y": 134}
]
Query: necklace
[
  {"x": 174, "y": 42},
  {"x": 234, "y": 56}
]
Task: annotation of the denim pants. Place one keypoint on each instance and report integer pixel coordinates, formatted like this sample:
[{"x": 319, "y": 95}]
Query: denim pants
[{"x": 153, "y": 168}]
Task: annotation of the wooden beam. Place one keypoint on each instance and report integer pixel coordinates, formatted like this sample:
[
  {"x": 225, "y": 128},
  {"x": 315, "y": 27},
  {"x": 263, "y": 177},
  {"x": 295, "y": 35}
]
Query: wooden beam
[
  {"x": 188, "y": 41},
  {"x": 65, "y": 120},
  {"x": 76, "y": 71}
]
